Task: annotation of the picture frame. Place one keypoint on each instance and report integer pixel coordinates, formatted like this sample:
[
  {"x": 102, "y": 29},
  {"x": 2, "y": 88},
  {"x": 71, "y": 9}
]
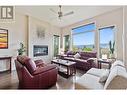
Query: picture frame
[
  {"x": 40, "y": 32},
  {"x": 3, "y": 38}
]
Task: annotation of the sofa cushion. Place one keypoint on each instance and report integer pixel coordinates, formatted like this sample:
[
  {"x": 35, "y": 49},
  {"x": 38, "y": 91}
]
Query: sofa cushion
[
  {"x": 30, "y": 65},
  {"x": 104, "y": 76},
  {"x": 97, "y": 72},
  {"x": 77, "y": 55},
  {"x": 69, "y": 58},
  {"x": 81, "y": 60},
  {"x": 117, "y": 78},
  {"x": 44, "y": 69},
  {"x": 89, "y": 54},
  {"x": 39, "y": 63},
  {"x": 117, "y": 63},
  {"x": 88, "y": 81},
  {"x": 84, "y": 57}
]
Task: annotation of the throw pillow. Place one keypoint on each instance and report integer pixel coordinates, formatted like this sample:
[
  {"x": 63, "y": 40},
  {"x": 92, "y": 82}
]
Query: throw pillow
[
  {"x": 77, "y": 55},
  {"x": 69, "y": 53},
  {"x": 104, "y": 76}
]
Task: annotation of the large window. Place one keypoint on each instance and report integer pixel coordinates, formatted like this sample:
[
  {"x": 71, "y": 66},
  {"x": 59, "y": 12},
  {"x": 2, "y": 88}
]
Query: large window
[
  {"x": 83, "y": 37},
  {"x": 106, "y": 40}
]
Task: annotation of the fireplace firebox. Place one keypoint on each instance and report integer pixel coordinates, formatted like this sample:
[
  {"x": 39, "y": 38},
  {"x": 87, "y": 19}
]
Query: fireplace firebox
[{"x": 40, "y": 50}]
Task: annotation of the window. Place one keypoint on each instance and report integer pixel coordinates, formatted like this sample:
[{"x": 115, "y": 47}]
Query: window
[
  {"x": 56, "y": 45},
  {"x": 83, "y": 37},
  {"x": 66, "y": 42},
  {"x": 106, "y": 36}
]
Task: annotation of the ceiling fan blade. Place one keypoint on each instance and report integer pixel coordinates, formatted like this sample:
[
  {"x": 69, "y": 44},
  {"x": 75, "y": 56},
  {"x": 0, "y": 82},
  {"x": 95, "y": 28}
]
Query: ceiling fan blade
[
  {"x": 69, "y": 13},
  {"x": 53, "y": 18},
  {"x": 53, "y": 11}
]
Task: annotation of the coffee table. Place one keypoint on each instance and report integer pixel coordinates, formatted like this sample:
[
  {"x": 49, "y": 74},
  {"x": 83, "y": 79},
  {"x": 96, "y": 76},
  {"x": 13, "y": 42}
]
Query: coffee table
[{"x": 70, "y": 67}]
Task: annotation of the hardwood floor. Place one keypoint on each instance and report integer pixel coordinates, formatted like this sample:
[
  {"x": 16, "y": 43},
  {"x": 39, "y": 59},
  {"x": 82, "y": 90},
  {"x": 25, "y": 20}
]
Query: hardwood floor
[{"x": 10, "y": 81}]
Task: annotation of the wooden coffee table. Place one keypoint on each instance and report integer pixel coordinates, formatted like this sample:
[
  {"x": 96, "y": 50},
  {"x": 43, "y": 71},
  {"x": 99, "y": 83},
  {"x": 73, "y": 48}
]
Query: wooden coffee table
[{"x": 70, "y": 67}]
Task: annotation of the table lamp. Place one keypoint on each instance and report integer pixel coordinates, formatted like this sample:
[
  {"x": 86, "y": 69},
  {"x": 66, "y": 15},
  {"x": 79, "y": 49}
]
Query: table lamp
[{"x": 104, "y": 56}]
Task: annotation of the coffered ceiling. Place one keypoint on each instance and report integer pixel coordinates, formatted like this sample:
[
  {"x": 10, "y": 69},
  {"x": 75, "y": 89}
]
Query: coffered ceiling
[{"x": 46, "y": 13}]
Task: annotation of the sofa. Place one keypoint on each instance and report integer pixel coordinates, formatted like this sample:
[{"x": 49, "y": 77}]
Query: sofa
[
  {"x": 113, "y": 78},
  {"x": 84, "y": 61},
  {"x": 35, "y": 74}
]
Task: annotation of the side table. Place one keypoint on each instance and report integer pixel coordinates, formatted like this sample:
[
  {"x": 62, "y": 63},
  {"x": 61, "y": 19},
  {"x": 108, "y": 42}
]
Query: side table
[
  {"x": 7, "y": 58},
  {"x": 106, "y": 61}
]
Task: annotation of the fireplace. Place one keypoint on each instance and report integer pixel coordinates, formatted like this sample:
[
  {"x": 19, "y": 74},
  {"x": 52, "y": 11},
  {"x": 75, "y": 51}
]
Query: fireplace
[{"x": 40, "y": 50}]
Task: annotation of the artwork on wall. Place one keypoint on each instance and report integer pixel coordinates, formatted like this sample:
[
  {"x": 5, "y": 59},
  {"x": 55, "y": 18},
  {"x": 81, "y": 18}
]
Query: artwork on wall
[
  {"x": 41, "y": 32},
  {"x": 3, "y": 38}
]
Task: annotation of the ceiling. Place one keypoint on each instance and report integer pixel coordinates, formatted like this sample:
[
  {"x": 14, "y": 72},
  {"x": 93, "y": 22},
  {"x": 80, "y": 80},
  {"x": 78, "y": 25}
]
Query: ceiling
[{"x": 80, "y": 13}]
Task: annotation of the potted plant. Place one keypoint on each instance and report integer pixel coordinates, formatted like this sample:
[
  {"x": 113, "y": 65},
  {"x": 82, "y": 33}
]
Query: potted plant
[
  {"x": 112, "y": 48},
  {"x": 22, "y": 49}
]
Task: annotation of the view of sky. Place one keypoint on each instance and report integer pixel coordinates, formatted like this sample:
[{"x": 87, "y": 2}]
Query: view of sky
[
  {"x": 106, "y": 35},
  {"x": 81, "y": 36},
  {"x": 84, "y": 38},
  {"x": 84, "y": 28}
]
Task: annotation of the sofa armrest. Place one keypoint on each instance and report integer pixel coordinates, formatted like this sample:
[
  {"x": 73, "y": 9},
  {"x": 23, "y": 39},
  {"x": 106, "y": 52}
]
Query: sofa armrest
[
  {"x": 44, "y": 69},
  {"x": 39, "y": 62},
  {"x": 91, "y": 60}
]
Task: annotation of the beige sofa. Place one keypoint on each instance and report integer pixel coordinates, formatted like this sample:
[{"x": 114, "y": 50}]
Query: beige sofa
[{"x": 113, "y": 78}]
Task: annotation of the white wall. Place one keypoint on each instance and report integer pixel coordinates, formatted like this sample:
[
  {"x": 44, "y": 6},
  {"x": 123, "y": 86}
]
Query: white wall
[
  {"x": 48, "y": 40},
  {"x": 125, "y": 35},
  {"x": 110, "y": 18},
  {"x": 23, "y": 29},
  {"x": 16, "y": 33}
]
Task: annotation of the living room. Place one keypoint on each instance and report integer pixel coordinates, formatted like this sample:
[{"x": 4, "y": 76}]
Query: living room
[{"x": 46, "y": 36}]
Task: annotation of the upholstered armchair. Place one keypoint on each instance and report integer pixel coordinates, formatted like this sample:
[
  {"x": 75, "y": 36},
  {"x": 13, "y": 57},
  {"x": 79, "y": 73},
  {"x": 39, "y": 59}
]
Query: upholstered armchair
[{"x": 35, "y": 74}]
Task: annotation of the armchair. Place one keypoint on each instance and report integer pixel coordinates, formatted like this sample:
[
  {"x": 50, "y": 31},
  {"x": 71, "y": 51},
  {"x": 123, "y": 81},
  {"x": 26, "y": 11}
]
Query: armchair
[{"x": 35, "y": 75}]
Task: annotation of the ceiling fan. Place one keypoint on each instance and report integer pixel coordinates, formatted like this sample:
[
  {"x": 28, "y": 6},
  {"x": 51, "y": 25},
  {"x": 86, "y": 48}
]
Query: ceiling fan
[{"x": 60, "y": 13}]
